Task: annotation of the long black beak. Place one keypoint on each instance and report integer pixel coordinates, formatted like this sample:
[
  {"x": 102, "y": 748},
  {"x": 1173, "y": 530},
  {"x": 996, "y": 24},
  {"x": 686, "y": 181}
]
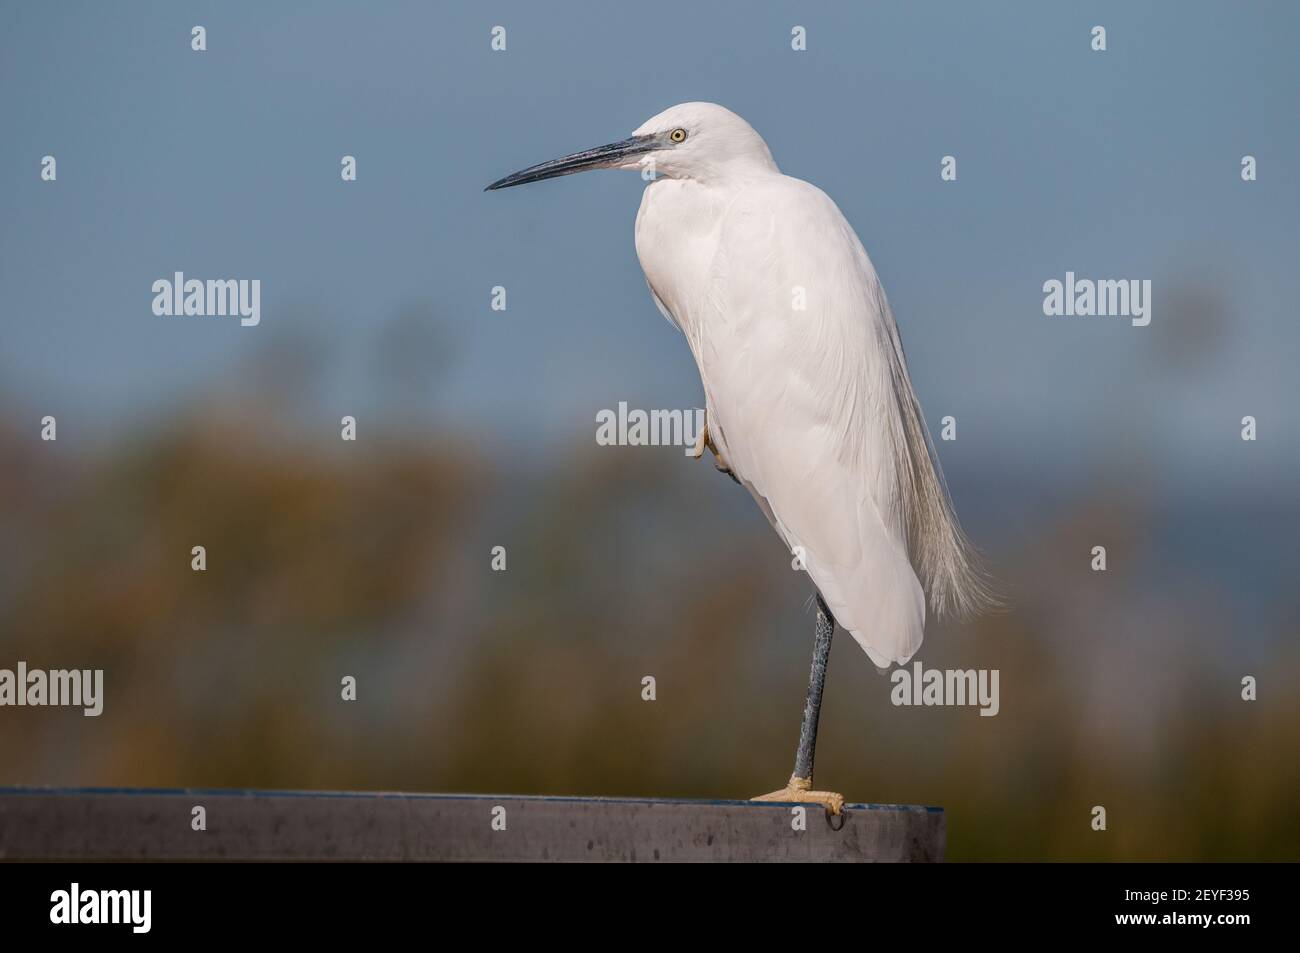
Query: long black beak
[{"x": 602, "y": 157}]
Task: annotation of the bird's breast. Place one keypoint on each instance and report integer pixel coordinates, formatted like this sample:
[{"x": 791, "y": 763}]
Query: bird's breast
[{"x": 676, "y": 242}]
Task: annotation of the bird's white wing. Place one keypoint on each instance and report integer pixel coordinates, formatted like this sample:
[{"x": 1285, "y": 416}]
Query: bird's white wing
[
  {"x": 796, "y": 351},
  {"x": 663, "y": 309}
]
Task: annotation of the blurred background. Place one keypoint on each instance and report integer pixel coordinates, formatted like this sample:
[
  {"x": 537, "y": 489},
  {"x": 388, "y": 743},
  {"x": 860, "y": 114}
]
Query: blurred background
[{"x": 476, "y": 428}]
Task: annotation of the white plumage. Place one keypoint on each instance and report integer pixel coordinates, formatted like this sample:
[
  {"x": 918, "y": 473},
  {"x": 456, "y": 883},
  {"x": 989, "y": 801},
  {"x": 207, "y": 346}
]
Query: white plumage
[
  {"x": 808, "y": 401},
  {"x": 812, "y": 410}
]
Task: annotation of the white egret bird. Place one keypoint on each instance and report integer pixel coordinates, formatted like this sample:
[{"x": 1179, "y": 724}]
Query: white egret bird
[{"x": 808, "y": 402}]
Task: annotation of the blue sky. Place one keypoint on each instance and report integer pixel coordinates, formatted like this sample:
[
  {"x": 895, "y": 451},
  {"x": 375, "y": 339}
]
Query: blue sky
[{"x": 1123, "y": 164}]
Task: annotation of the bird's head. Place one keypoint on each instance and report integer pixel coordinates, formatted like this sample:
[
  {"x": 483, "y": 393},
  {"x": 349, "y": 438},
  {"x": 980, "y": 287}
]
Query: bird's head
[{"x": 700, "y": 141}]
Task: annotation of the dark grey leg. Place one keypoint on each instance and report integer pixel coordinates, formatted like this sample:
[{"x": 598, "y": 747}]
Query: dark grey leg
[
  {"x": 799, "y": 788},
  {"x": 825, "y": 628}
]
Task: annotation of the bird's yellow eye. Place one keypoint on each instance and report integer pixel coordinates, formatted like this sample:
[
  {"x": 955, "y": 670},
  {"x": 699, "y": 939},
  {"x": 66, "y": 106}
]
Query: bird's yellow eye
[{"x": 677, "y": 135}]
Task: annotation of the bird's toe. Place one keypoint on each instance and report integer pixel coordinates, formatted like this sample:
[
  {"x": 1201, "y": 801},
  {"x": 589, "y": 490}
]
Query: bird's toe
[{"x": 832, "y": 801}]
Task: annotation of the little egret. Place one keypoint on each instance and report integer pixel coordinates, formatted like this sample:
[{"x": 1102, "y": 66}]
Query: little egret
[{"x": 808, "y": 402}]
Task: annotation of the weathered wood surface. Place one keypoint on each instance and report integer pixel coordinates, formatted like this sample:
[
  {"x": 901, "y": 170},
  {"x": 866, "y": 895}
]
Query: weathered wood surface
[{"x": 130, "y": 824}]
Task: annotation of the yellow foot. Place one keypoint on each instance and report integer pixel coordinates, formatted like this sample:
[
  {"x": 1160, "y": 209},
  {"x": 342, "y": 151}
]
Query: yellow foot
[
  {"x": 799, "y": 790},
  {"x": 718, "y": 460},
  {"x": 701, "y": 442}
]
